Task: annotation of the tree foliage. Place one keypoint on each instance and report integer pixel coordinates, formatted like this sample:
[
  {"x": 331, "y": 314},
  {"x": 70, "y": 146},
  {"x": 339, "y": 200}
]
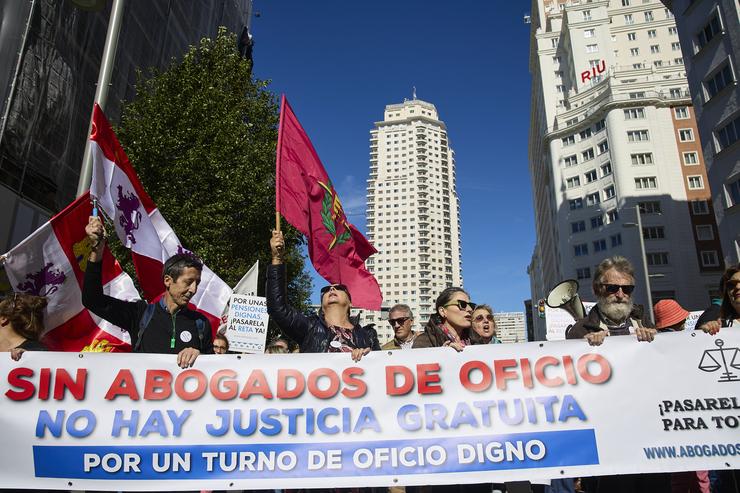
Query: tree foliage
[{"x": 202, "y": 136}]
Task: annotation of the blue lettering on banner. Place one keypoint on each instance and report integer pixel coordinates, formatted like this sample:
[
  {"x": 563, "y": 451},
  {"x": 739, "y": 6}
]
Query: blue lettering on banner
[{"x": 300, "y": 460}]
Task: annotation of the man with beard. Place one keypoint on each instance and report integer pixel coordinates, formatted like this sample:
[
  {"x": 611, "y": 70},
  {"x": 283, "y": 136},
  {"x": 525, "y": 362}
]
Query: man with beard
[{"x": 614, "y": 314}]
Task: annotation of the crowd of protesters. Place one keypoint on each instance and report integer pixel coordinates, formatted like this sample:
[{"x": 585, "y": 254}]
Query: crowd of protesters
[{"x": 170, "y": 327}]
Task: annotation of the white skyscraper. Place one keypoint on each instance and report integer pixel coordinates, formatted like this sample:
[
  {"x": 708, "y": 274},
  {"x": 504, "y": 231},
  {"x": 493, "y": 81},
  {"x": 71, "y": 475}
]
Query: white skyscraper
[
  {"x": 510, "y": 326},
  {"x": 413, "y": 217},
  {"x": 612, "y": 127}
]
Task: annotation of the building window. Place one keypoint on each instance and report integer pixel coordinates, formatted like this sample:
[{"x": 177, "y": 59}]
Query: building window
[
  {"x": 729, "y": 134},
  {"x": 634, "y": 113},
  {"x": 575, "y": 204},
  {"x": 625, "y": 3},
  {"x": 709, "y": 258},
  {"x": 675, "y": 92},
  {"x": 588, "y": 154},
  {"x": 591, "y": 176},
  {"x": 585, "y": 134},
  {"x": 571, "y": 160},
  {"x": 673, "y": 31},
  {"x": 584, "y": 273},
  {"x": 634, "y": 51},
  {"x": 556, "y": 60},
  {"x": 631, "y": 36},
  {"x": 560, "y": 88},
  {"x": 676, "y": 46},
  {"x": 628, "y": 20},
  {"x": 616, "y": 239},
  {"x": 609, "y": 192},
  {"x": 572, "y": 182},
  {"x": 690, "y": 158},
  {"x": 586, "y": 15},
  {"x": 638, "y": 135},
  {"x": 600, "y": 125},
  {"x": 657, "y": 258},
  {"x": 603, "y": 146},
  {"x": 651, "y": 207},
  {"x": 580, "y": 250},
  {"x": 699, "y": 207},
  {"x": 653, "y": 233},
  {"x": 686, "y": 135},
  {"x": 639, "y": 94},
  {"x": 638, "y": 66},
  {"x": 577, "y": 227},
  {"x": 569, "y": 140},
  {"x": 649, "y": 16},
  {"x": 696, "y": 182},
  {"x": 606, "y": 169},
  {"x": 652, "y": 33},
  {"x": 612, "y": 215},
  {"x": 554, "y": 42},
  {"x": 597, "y": 221},
  {"x": 733, "y": 192},
  {"x": 681, "y": 112},
  {"x": 592, "y": 199},
  {"x": 654, "y": 49},
  {"x": 658, "y": 63},
  {"x": 599, "y": 245},
  {"x": 642, "y": 158},
  {"x": 710, "y": 30},
  {"x": 589, "y": 33},
  {"x": 704, "y": 232},
  {"x": 720, "y": 79},
  {"x": 646, "y": 183}
]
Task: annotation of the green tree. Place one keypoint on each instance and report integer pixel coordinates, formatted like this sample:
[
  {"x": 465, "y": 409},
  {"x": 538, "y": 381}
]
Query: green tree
[{"x": 202, "y": 136}]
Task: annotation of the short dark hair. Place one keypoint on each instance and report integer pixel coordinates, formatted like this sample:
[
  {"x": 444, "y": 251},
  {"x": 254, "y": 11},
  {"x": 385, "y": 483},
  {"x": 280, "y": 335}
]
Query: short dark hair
[
  {"x": 25, "y": 312},
  {"x": 444, "y": 298},
  {"x": 727, "y": 310},
  {"x": 176, "y": 264},
  {"x": 223, "y": 338}
]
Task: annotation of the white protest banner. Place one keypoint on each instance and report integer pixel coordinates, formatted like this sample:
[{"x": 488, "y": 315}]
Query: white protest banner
[
  {"x": 491, "y": 413},
  {"x": 246, "y": 327},
  {"x": 693, "y": 318},
  {"x": 557, "y": 321}
]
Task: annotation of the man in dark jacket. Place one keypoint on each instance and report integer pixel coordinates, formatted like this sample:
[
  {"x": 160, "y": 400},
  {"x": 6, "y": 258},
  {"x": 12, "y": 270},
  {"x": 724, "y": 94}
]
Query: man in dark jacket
[
  {"x": 331, "y": 330},
  {"x": 165, "y": 327},
  {"x": 614, "y": 314}
]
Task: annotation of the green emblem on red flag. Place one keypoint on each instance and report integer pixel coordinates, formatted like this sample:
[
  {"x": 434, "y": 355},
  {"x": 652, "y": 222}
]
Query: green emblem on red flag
[{"x": 331, "y": 210}]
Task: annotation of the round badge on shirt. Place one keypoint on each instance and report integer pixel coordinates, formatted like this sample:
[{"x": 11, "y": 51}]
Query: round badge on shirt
[
  {"x": 185, "y": 336},
  {"x": 336, "y": 344}
]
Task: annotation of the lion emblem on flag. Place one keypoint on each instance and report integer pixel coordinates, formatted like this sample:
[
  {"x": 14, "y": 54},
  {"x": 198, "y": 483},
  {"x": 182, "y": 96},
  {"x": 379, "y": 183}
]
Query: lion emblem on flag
[
  {"x": 129, "y": 218},
  {"x": 44, "y": 282}
]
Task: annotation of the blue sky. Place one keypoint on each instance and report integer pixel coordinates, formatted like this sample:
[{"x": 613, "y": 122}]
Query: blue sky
[{"x": 341, "y": 62}]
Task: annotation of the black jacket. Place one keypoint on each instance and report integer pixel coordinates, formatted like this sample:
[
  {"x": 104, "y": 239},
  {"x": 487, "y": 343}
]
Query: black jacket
[
  {"x": 592, "y": 323},
  {"x": 127, "y": 315},
  {"x": 309, "y": 331}
]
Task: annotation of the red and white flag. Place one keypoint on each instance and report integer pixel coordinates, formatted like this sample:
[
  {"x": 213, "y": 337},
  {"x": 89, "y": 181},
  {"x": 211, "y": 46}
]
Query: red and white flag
[
  {"x": 139, "y": 224},
  {"x": 51, "y": 263}
]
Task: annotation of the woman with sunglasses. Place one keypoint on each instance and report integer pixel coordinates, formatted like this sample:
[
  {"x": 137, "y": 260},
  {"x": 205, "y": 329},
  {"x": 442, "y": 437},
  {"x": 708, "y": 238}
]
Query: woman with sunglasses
[
  {"x": 728, "y": 314},
  {"x": 21, "y": 324},
  {"x": 329, "y": 331},
  {"x": 450, "y": 326},
  {"x": 484, "y": 326}
]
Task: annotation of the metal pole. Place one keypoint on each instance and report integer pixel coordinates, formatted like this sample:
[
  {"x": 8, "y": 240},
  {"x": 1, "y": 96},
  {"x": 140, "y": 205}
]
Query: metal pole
[
  {"x": 645, "y": 264},
  {"x": 101, "y": 92}
]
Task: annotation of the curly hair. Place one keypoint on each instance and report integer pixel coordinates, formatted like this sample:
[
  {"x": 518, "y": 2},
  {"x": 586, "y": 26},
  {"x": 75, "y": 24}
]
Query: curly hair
[{"x": 25, "y": 312}]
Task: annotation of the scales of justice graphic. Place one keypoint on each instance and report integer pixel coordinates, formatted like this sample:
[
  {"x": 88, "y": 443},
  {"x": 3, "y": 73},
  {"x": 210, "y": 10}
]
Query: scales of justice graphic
[{"x": 710, "y": 361}]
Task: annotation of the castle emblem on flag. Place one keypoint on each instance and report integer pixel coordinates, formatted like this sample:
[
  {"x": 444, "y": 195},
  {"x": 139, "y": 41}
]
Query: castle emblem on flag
[
  {"x": 128, "y": 206},
  {"x": 44, "y": 282},
  {"x": 331, "y": 210}
]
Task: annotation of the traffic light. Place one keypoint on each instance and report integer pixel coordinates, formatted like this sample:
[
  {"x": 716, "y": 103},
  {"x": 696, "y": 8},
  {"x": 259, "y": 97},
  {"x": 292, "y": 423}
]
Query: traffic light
[{"x": 541, "y": 308}]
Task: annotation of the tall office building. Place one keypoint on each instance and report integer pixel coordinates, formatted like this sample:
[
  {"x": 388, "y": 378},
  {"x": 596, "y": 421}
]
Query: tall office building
[
  {"x": 413, "y": 217},
  {"x": 710, "y": 37},
  {"x": 50, "y": 55},
  {"x": 511, "y": 326},
  {"x": 612, "y": 127}
]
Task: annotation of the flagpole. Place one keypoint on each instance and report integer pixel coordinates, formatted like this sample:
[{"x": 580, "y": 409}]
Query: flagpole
[
  {"x": 278, "y": 159},
  {"x": 101, "y": 92}
]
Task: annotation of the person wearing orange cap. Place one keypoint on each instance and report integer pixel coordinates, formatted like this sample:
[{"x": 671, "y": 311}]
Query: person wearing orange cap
[{"x": 669, "y": 316}]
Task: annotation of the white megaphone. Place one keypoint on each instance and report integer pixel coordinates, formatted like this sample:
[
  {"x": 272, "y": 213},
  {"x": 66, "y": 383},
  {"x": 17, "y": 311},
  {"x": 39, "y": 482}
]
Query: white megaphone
[{"x": 565, "y": 296}]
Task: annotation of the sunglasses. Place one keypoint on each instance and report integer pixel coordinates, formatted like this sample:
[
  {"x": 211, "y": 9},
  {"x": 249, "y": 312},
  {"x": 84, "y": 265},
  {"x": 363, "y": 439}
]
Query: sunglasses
[
  {"x": 398, "y": 321},
  {"x": 338, "y": 287},
  {"x": 481, "y": 318},
  {"x": 462, "y": 304},
  {"x": 613, "y": 288},
  {"x": 733, "y": 284}
]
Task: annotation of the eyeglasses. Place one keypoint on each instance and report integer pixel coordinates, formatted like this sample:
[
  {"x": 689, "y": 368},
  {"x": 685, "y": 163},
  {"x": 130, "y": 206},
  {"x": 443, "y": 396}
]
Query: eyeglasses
[
  {"x": 462, "y": 304},
  {"x": 481, "y": 318},
  {"x": 732, "y": 284},
  {"x": 398, "y": 321},
  {"x": 337, "y": 287},
  {"x": 220, "y": 348},
  {"x": 613, "y": 288}
]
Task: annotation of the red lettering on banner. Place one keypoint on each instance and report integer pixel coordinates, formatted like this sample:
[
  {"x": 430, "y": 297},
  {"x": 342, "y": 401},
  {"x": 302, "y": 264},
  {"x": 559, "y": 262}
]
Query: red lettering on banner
[
  {"x": 200, "y": 387},
  {"x": 44, "y": 383},
  {"x": 583, "y": 368},
  {"x": 313, "y": 383},
  {"x": 64, "y": 381},
  {"x": 157, "y": 386},
  {"x": 526, "y": 373},
  {"x": 123, "y": 384},
  {"x": 570, "y": 372},
  {"x": 230, "y": 387},
  {"x": 428, "y": 375},
  {"x": 256, "y": 385},
  {"x": 17, "y": 378},
  {"x": 501, "y": 372},
  {"x": 390, "y": 380},
  {"x": 539, "y": 370},
  {"x": 486, "y": 376},
  {"x": 284, "y": 376},
  {"x": 359, "y": 387}
]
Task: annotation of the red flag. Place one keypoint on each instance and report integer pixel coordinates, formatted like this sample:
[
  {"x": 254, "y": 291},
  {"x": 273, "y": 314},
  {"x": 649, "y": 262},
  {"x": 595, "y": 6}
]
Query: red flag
[
  {"x": 306, "y": 198},
  {"x": 51, "y": 263}
]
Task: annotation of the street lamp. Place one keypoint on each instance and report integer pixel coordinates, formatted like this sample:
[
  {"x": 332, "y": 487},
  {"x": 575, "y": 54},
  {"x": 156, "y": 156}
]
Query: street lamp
[{"x": 638, "y": 225}]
